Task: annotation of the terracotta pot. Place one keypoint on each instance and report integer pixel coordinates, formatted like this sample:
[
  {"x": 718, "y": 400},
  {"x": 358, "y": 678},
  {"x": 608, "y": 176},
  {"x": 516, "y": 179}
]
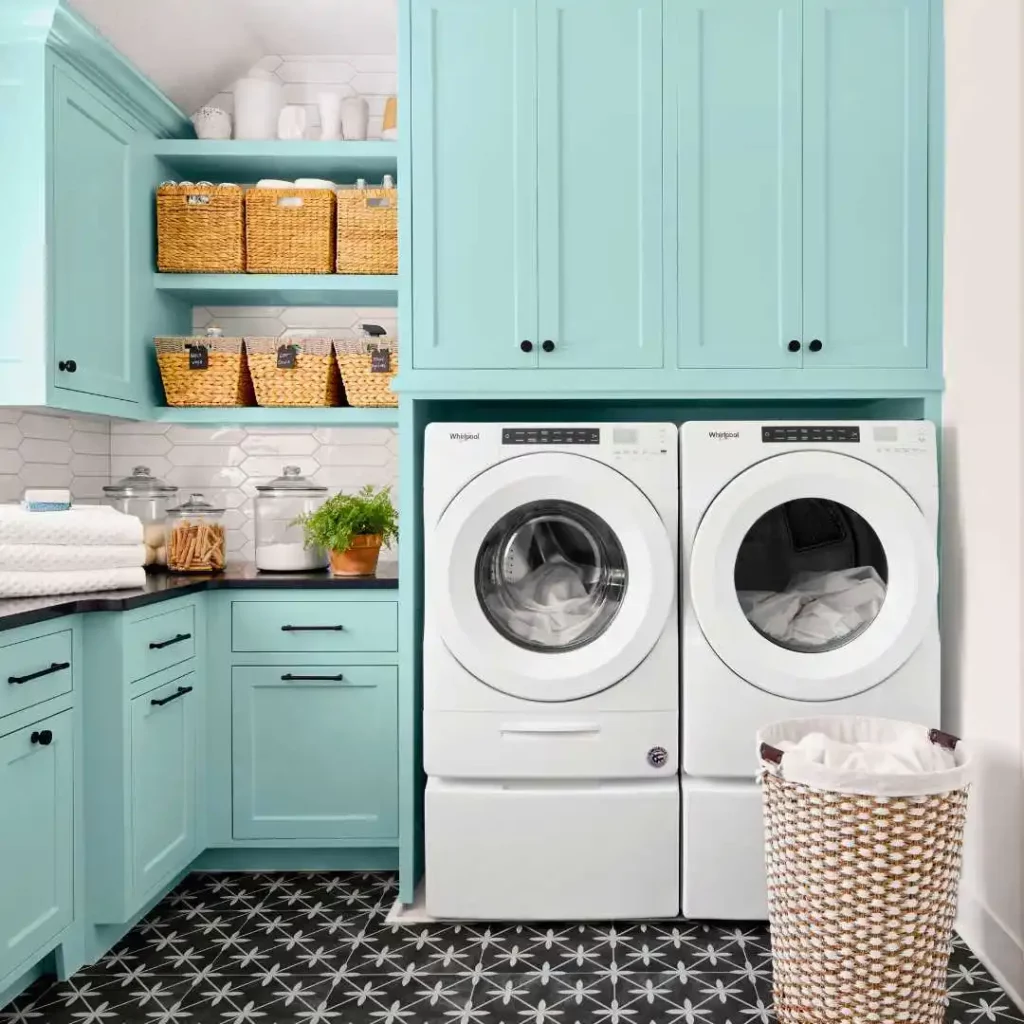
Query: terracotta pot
[{"x": 359, "y": 558}]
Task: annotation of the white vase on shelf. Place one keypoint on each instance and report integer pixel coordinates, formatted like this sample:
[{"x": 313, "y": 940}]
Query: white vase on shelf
[
  {"x": 329, "y": 104},
  {"x": 258, "y": 103},
  {"x": 355, "y": 117}
]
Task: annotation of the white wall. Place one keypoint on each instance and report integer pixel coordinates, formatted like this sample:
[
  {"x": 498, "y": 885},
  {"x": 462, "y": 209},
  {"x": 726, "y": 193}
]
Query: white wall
[{"x": 983, "y": 602}]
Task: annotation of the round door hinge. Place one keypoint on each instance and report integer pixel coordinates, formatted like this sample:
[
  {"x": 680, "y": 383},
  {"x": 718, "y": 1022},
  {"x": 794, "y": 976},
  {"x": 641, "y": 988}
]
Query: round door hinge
[
  {"x": 794, "y": 346},
  {"x": 43, "y": 737},
  {"x": 526, "y": 346},
  {"x": 548, "y": 346},
  {"x": 657, "y": 757},
  {"x": 67, "y": 366},
  {"x": 815, "y": 345}
]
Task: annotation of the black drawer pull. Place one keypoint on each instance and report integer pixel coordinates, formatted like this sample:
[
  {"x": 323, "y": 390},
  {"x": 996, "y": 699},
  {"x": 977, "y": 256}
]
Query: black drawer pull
[
  {"x": 43, "y": 737},
  {"x": 57, "y": 666},
  {"x": 312, "y": 629},
  {"x": 181, "y": 691},
  {"x": 159, "y": 646},
  {"x": 288, "y": 677}
]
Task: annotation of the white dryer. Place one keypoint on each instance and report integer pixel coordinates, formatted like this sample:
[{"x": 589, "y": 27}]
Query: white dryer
[
  {"x": 551, "y": 671},
  {"x": 810, "y": 581}
]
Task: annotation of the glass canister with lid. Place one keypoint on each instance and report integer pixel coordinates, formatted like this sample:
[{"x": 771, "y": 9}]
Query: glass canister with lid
[
  {"x": 280, "y": 541},
  {"x": 195, "y": 536},
  {"x": 146, "y": 497}
]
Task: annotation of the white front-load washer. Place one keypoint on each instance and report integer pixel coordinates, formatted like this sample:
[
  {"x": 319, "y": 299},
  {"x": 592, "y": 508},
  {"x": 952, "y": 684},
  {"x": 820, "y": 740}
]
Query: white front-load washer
[
  {"x": 551, "y": 670},
  {"x": 810, "y": 580}
]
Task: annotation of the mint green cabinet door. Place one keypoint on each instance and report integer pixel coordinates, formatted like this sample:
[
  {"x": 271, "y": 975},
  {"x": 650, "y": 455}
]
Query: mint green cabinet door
[
  {"x": 474, "y": 226},
  {"x": 865, "y": 182},
  {"x": 599, "y": 70},
  {"x": 315, "y": 752},
  {"x": 733, "y": 181},
  {"x": 89, "y": 269},
  {"x": 163, "y": 782},
  {"x": 36, "y": 850}
]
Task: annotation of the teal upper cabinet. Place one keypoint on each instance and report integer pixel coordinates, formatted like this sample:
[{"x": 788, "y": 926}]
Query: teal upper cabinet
[
  {"x": 92, "y": 345},
  {"x": 599, "y": 191},
  {"x": 865, "y": 182},
  {"x": 537, "y": 169},
  {"x": 474, "y": 140},
  {"x": 733, "y": 181}
]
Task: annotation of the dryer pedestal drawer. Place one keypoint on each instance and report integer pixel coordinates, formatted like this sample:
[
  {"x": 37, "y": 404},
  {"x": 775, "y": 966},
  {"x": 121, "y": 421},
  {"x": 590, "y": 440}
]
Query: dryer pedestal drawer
[{"x": 552, "y": 852}]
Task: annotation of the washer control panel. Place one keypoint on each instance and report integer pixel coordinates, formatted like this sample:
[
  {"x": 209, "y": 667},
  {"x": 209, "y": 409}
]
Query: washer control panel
[
  {"x": 550, "y": 435},
  {"x": 807, "y": 433}
]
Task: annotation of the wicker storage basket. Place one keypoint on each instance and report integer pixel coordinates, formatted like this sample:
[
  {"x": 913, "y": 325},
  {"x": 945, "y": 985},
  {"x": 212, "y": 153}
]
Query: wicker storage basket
[
  {"x": 367, "y": 231},
  {"x": 199, "y": 229},
  {"x": 368, "y": 365},
  {"x": 862, "y": 887},
  {"x": 223, "y": 380},
  {"x": 289, "y": 230},
  {"x": 293, "y": 371}
]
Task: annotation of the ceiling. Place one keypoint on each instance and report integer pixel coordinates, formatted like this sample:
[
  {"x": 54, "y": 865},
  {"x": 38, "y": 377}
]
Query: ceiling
[{"x": 193, "y": 49}]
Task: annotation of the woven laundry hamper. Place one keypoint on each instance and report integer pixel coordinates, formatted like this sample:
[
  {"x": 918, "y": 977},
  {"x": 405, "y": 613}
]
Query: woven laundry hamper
[{"x": 863, "y": 870}]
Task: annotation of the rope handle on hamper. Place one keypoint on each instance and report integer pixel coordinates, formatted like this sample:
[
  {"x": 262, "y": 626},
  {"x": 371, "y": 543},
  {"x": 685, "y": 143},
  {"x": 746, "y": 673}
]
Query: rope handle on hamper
[{"x": 946, "y": 740}]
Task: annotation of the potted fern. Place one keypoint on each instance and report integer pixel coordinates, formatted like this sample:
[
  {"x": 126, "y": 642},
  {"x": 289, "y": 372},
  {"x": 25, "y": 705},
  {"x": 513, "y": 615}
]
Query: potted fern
[{"x": 352, "y": 528}]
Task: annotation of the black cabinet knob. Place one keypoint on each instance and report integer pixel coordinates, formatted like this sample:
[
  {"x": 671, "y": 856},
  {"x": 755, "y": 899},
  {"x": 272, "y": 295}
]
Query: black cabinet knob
[
  {"x": 815, "y": 346},
  {"x": 526, "y": 346},
  {"x": 67, "y": 366},
  {"x": 43, "y": 737},
  {"x": 794, "y": 346},
  {"x": 548, "y": 346}
]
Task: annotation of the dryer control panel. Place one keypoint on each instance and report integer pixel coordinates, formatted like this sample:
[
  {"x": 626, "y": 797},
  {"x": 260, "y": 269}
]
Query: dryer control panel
[
  {"x": 807, "y": 433},
  {"x": 550, "y": 435}
]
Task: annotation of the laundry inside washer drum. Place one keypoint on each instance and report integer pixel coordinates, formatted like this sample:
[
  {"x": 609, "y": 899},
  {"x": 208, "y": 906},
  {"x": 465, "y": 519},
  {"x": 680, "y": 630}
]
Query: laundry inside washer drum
[{"x": 551, "y": 576}]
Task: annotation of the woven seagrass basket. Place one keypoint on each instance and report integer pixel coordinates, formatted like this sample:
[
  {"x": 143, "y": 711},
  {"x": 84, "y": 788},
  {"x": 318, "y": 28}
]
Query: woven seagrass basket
[
  {"x": 218, "y": 377},
  {"x": 367, "y": 231},
  {"x": 293, "y": 371},
  {"x": 368, "y": 365},
  {"x": 862, "y": 894},
  {"x": 199, "y": 229},
  {"x": 289, "y": 230}
]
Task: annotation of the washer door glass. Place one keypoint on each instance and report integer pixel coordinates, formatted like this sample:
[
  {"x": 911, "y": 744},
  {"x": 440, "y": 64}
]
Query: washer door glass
[
  {"x": 811, "y": 575},
  {"x": 551, "y": 576}
]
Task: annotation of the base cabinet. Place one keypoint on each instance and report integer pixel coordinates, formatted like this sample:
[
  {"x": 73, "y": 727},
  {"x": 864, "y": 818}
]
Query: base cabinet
[
  {"x": 314, "y": 752},
  {"x": 36, "y": 850}
]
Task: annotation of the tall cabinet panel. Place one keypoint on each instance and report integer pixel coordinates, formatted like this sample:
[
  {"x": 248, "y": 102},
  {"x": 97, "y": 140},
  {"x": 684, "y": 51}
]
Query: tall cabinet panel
[
  {"x": 474, "y": 144},
  {"x": 734, "y": 183},
  {"x": 865, "y": 182},
  {"x": 90, "y": 266},
  {"x": 600, "y": 182}
]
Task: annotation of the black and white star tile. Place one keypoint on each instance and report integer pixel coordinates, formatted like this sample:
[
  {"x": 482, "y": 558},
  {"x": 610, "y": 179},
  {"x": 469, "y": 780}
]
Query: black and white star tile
[{"x": 316, "y": 949}]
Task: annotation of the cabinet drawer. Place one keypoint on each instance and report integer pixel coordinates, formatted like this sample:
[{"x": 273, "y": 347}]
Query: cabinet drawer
[
  {"x": 159, "y": 641},
  {"x": 35, "y": 670},
  {"x": 314, "y": 626},
  {"x": 315, "y": 752}
]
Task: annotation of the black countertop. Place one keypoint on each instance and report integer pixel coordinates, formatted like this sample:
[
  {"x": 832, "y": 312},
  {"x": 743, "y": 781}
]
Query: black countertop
[{"x": 23, "y": 611}]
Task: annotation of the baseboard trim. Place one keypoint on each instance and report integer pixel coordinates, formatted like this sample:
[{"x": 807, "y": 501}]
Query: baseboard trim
[{"x": 991, "y": 942}]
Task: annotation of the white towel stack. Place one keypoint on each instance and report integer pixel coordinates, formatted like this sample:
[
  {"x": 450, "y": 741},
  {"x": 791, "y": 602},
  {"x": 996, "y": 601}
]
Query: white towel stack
[{"x": 84, "y": 549}]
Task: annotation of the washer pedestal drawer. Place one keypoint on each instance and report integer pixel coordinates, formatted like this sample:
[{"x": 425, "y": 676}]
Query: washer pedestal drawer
[
  {"x": 552, "y": 852},
  {"x": 723, "y": 850}
]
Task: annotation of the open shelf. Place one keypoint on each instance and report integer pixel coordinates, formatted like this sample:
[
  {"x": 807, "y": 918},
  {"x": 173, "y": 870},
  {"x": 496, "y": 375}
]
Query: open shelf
[
  {"x": 258, "y": 416},
  {"x": 244, "y": 163},
  {"x": 280, "y": 289}
]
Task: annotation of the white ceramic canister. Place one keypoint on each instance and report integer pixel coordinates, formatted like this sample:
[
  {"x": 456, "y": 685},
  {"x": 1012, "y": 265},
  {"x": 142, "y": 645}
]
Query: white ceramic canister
[
  {"x": 329, "y": 104},
  {"x": 212, "y": 123},
  {"x": 258, "y": 103},
  {"x": 355, "y": 117}
]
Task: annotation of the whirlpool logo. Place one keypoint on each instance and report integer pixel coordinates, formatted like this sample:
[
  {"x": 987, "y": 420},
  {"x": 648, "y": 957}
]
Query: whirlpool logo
[
  {"x": 723, "y": 435},
  {"x": 460, "y": 436}
]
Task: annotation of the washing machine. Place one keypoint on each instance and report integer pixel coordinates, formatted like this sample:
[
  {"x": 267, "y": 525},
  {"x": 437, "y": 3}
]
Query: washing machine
[
  {"x": 551, "y": 671},
  {"x": 810, "y": 580}
]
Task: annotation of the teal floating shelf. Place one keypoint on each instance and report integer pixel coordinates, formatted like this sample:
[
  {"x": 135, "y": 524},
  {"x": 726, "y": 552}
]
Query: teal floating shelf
[
  {"x": 234, "y": 416},
  {"x": 280, "y": 289},
  {"x": 244, "y": 163}
]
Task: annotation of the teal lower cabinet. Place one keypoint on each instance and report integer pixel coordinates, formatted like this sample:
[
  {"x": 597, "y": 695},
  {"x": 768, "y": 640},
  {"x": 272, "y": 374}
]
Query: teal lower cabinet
[
  {"x": 37, "y": 848},
  {"x": 314, "y": 752}
]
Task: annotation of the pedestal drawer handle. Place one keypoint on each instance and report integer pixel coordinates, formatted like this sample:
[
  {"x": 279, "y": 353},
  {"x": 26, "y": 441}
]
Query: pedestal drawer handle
[
  {"x": 312, "y": 629},
  {"x": 180, "y": 692},
  {"x": 159, "y": 645},
  {"x": 288, "y": 677},
  {"x": 57, "y": 666}
]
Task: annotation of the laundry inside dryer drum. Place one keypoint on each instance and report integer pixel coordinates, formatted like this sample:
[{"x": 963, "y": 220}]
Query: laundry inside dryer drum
[
  {"x": 811, "y": 575},
  {"x": 551, "y": 576}
]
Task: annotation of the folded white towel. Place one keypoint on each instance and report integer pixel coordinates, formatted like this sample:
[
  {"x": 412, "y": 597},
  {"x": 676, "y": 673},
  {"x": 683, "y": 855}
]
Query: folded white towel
[
  {"x": 75, "y": 581},
  {"x": 60, "y": 557},
  {"x": 82, "y": 524}
]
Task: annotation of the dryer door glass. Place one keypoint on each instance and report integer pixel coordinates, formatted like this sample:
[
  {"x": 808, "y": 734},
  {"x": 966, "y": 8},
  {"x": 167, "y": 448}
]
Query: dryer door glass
[
  {"x": 551, "y": 576},
  {"x": 811, "y": 575}
]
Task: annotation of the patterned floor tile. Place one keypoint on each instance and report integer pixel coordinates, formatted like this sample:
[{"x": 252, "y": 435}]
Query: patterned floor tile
[{"x": 316, "y": 949}]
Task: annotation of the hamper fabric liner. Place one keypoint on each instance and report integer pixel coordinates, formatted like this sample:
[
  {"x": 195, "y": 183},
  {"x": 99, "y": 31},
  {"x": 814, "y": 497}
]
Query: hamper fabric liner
[
  {"x": 863, "y": 870},
  {"x": 312, "y": 379}
]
